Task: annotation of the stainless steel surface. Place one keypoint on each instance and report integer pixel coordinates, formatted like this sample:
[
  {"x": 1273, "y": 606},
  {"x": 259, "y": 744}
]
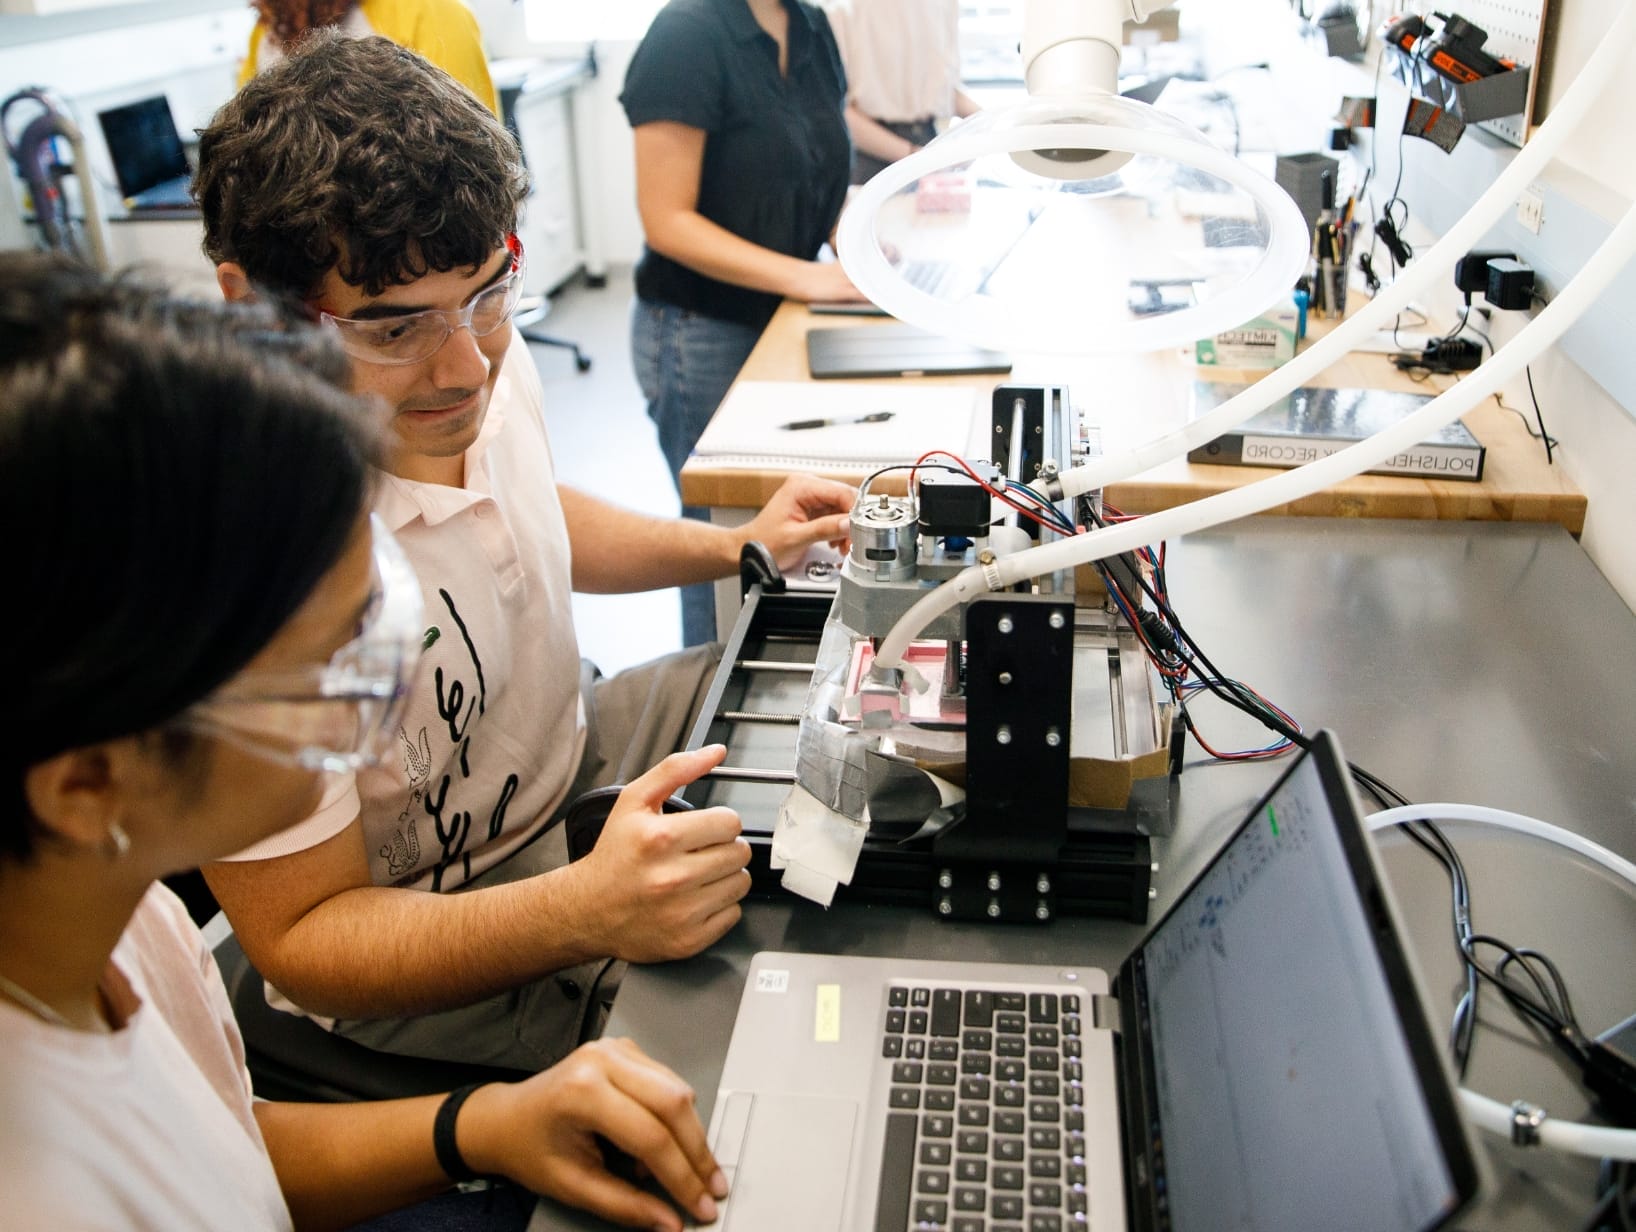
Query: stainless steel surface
[{"x": 1487, "y": 663}]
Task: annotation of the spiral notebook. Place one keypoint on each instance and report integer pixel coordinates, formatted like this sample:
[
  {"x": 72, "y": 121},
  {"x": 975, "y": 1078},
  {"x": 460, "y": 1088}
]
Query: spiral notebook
[{"x": 749, "y": 430}]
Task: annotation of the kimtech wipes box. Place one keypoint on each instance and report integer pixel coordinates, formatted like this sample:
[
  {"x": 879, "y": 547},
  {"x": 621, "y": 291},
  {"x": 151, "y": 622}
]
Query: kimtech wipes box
[{"x": 1264, "y": 342}]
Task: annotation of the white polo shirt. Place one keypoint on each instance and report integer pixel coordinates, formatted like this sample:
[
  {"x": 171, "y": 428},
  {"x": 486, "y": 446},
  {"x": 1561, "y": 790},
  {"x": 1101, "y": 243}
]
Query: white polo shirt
[
  {"x": 902, "y": 57},
  {"x": 494, "y": 727}
]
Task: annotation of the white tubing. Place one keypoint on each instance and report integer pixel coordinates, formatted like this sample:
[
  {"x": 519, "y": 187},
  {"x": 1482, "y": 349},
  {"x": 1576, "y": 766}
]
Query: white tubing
[
  {"x": 1597, "y": 1141},
  {"x": 1610, "y": 59},
  {"x": 1603, "y": 267},
  {"x": 1531, "y": 826}
]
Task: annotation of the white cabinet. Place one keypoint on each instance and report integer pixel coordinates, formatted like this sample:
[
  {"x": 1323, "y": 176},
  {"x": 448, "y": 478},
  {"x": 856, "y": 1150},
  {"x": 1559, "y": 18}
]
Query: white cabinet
[{"x": 550, "y": 223}]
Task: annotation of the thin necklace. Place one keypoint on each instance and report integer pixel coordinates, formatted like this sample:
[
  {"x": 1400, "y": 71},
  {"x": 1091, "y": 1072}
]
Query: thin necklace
[{"x": 33, "y": 1004}]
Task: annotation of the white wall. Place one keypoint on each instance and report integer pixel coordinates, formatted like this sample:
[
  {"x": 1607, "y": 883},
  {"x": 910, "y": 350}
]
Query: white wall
[{"x": 1595, "y": 179}]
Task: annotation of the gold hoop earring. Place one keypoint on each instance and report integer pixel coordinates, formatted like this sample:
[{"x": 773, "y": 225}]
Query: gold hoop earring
[{"x": 116, "y": 844}]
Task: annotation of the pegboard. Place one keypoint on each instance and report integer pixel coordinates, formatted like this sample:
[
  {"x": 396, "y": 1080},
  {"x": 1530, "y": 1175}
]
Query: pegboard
[{"x": 1516, "y": 30}]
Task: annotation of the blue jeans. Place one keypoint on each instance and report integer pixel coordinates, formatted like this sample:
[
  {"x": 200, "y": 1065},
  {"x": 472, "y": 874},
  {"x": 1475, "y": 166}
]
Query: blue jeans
[{"x": 684, "y": 363}]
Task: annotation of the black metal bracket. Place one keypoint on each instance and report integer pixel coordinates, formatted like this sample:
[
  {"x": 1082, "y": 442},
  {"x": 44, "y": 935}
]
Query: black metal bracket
[{"x": 999, "y": 862}]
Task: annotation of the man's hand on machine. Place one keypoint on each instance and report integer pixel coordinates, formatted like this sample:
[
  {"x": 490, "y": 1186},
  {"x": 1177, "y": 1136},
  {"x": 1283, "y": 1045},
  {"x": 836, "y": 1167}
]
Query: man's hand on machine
[
  {"x": 663, "y": 885},
  {"x": 805, "y": 510}
]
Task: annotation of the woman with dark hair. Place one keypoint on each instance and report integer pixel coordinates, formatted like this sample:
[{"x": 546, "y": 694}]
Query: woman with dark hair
[
  {"x": 742, "y": 158},
  {"x": 202, "y": 620},
  {"x": 443, "y": 31}
]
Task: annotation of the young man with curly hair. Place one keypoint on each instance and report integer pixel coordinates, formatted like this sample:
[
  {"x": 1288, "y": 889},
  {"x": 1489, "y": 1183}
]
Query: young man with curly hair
[{"x": 358, "y": 181}]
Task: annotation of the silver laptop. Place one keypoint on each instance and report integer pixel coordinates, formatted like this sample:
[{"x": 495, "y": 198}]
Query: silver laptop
[{"x": 1263, "y": 1062}]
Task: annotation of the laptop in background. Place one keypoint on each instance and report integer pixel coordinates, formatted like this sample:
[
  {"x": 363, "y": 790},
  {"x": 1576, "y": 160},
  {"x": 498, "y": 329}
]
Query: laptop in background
[
  {"x": 1262, "y": 1062},
  {"x": 147, "y": 154},
  {"x": 894, "y": 350},
  {"x": 846, "y": 308}
]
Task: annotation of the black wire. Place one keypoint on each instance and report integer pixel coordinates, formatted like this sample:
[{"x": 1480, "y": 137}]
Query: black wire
[
  {"x": 1463, "y": 1026},
  {"x": 1598, "y": 1221},
  {"x": 1526, "y": 425},
  {"x": 1528, "y": 371},
  {"x": 1461, "y": 327},
  {"x": 863, "y": 490},
  {"x": 1216, "y": 681}
]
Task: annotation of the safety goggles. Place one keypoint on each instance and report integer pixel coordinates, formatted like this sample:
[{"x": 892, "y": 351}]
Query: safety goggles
[
  {"x": 415, "y": 336},
  {"x": 340, "y": 716}
]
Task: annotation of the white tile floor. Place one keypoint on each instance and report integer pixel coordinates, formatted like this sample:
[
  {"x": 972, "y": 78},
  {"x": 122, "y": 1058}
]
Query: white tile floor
[{"x": 603, "y": 442}]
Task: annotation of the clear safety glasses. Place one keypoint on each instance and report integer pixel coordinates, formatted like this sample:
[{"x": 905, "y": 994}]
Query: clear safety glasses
[
  {"x": 415, "y": 336},
  {"x": 340, "y": 716}
]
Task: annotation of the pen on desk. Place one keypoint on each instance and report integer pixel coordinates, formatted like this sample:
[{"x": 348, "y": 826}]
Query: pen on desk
[{"x": 872, "y": 417}]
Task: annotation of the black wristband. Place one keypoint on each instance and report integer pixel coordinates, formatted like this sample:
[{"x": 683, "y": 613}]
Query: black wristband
[{"x": 443, "y": 1139}]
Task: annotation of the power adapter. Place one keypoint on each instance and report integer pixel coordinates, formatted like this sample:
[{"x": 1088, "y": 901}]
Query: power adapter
[
  {"x": 1471, "y": 270},
  {"x": 1610, "y": 1072},
  {"x": 1453, "y": 354},
  {"x": 1510, "y": 284}
]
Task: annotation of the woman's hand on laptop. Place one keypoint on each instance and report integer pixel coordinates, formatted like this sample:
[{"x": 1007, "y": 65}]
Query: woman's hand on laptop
[
  {"x": 824, "y": 282},
  {"x": 549, "y": 1134}
]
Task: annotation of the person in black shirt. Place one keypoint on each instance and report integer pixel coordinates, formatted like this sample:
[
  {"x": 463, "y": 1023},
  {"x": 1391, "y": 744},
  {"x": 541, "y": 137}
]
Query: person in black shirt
[{"x": 742, "y": 160}]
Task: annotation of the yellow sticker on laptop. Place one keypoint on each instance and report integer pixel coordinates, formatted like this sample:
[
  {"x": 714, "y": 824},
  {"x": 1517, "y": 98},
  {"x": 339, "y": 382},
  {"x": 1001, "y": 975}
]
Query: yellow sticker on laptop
[{"x": 826, "y": 1019}]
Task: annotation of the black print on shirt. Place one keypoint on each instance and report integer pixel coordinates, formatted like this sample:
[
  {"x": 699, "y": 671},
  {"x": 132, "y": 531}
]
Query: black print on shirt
[
  {"x": 402, "y": 853},
  {"x": 459, "y": 700}
]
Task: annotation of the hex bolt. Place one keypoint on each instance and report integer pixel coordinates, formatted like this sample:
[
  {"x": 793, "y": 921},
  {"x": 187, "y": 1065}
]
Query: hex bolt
[
  {"x": 994, "y": 882},
  {"x": 1053, "y": 737},
  {"x": 1057, "y": 620},
  {"x": 1005, "y": 624},
  {"x": 1042, "y": 911},
  {"x": 1002, "y": 734},
  {"x": 993, "y": 908},
  {"x": 945, "y": 879},
  {"x": 1004, "y": 678},
  {"x": 1043, "y": 885},
  {"x": 944, "y": 906}
]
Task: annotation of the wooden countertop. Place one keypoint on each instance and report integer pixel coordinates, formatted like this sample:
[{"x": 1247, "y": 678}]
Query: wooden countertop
[{"x": 1135, "y": 398}]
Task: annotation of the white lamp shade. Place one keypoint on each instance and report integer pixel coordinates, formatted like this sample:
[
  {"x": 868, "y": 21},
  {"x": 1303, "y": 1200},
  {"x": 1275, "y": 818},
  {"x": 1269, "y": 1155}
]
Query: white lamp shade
[{"x": 1073, "y": 225}]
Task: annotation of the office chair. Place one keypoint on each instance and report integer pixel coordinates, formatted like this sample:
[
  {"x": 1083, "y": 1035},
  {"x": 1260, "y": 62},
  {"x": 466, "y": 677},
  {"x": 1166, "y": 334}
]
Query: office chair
[{"x": 530, "y": 312}]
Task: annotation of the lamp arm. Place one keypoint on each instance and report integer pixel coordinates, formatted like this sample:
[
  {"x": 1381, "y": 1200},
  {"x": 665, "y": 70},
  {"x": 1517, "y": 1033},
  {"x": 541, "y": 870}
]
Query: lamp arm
[{"x": 1069, "y": 45}]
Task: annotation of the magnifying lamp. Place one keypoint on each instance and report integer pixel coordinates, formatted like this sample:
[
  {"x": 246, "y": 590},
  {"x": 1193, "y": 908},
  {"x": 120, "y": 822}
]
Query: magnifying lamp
[{"x": 1076, "y": 221}]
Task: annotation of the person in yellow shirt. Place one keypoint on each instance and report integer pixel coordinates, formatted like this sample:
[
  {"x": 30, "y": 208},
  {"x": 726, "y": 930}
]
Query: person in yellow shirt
[{"x": 444, "y": 31}]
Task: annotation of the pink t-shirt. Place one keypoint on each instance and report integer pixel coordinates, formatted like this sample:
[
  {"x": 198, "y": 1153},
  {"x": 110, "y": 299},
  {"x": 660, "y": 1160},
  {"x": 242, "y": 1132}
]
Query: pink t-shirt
[
  {"x": 150, "y": 1126},
  {"x": 494, "y": 728}
]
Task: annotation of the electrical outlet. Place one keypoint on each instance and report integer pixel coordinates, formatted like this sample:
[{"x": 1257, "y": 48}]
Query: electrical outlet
[{"x": 1531, "y": 210}]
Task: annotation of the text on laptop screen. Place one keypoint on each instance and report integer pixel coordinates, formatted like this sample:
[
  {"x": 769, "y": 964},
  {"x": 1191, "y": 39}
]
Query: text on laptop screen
[
  {"x": 143, "y": 142},
  {"x": 1287, "y": 1094}
]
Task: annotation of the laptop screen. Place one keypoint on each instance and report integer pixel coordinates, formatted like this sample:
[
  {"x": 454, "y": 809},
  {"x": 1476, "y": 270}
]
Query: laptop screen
[
  {"x": 1294, "y": 1074},
  {"x": 143, "y": 142}
]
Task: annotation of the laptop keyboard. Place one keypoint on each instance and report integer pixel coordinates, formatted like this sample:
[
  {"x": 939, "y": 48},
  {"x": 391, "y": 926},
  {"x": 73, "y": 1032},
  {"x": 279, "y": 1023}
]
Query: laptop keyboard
[{"x": 986, "y": 1127}]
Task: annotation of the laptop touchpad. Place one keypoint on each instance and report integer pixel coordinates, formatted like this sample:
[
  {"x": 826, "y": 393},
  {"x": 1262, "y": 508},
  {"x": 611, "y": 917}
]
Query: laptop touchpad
[{"x": 792, "y": 1163}]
